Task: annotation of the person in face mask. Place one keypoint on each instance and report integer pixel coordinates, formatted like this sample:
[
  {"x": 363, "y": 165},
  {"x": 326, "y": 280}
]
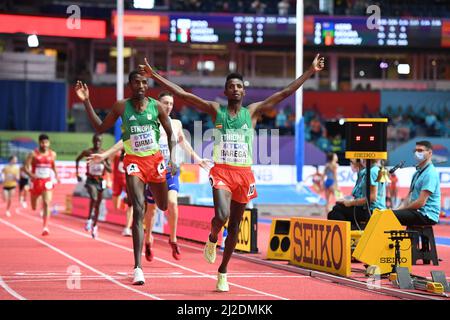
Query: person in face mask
[
  {"x": 423, "y": 203},
  {"x": 355, "y": 210}
]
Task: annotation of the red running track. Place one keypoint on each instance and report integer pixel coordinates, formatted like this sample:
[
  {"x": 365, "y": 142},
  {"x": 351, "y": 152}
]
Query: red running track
[{"x": 36, "y": 267}]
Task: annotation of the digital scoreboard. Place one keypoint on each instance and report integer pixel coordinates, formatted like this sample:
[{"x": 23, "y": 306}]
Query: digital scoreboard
[
  {"x": 366, "y": 138},
  {"x": 391, "y": 32},
  {"x": 261, "y": 30}
]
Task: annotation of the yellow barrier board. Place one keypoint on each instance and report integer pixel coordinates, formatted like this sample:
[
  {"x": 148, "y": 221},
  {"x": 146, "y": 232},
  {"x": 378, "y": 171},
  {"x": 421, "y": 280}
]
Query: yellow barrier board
[
  {"x": 279, "y": 246},
  {"x": 376, "y": 249},
  {"x": 322, "y": 245}
]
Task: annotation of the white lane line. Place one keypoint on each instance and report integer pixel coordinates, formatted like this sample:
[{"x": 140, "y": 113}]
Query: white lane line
[
  {"x": 77, "y": 260},
  {"x": 10, "y": 291},
  {"x": 159, "y": 259},
  {"x": 167, "y": 276}
]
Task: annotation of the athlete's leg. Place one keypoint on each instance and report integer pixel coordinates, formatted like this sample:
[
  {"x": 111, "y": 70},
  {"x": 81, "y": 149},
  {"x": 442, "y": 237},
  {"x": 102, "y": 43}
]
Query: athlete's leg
[
  {"x": 221, "y": 200},
  {"x": 93, "y": 196},
  {"x": 236, "y": 213},
  {"x": 25, "y": 192},
  {"x": 8, "y": 195},
  {"x": 159, "y": 192},
  {"x": 149, "y": 221},
  {"x": 135, "y": 190},
  {"x": 173, "y": 214},
  {"x": 33, "y": 200},
  {"x": 97, "y": 206},
  {"x": 129, "y": 211},
  {"x": 46, "y": 203}
]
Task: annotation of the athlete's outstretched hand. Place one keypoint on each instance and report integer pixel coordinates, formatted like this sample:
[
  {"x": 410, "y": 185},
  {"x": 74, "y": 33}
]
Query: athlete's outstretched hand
[
  {"x": 145, "y": 69},
  {"x": 318, "y": 64},
  {"x": 82, "y": 91},
  {"x": 206, "y": 164},
  {"x": 173, "y": 168},
  {"x": 95, "y": 158}
]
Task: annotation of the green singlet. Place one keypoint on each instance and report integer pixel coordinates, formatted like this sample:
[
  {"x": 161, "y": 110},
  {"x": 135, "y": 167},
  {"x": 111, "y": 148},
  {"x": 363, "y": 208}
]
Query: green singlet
[
  {"x": 233, "y": 135},
  {"x": 140, "y": 130}
]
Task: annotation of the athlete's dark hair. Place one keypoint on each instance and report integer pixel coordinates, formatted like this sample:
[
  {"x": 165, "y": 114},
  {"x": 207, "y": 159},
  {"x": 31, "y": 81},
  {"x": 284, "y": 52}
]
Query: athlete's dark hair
[
  {"x": 43, "y": 136},
  {"x": 132, "y": 74},
  {"x": 234, "y": 75},
  {"x": 11, "y": 157},
  {"x": 164, "y": 94},
  {"x": 95, "y": 136},
  {"x": 425, "y": 143},
  {"x": 330, "y": 156}
]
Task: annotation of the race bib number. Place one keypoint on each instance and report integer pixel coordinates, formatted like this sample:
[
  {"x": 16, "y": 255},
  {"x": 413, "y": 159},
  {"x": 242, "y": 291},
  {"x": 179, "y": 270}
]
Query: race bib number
[
  {"x": 234, "y": 152},
  {"x": 251, "y": 190},
  {"x": 235, "y": 147},
  {"x": 143, "y": 142},
  {"x": 132, "y": 168},
  {"x": 103, "y": 184},
  {"x": 43, "y": 173},
  {"x": 164, "y": 148},
  {"x": 96, "y": 169},
  {"x": 161, "y": 168}
]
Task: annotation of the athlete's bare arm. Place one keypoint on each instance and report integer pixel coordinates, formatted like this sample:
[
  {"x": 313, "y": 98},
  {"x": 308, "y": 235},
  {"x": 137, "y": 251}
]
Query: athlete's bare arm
[
  {"x": 54, "y": 166},
  {"x": 188, "y": 148},
  {"x": 259, "y": 107},
  {"x": 27, "y": 165},
  {"x": 107, "y": 165},
  {"x": 171, "y": 139},
  {"x": 83, "y": 154},
  {"x": 209, "y": 107},
  {"x": 99, "y": 157},
  {"x": 82, "y": 91}
]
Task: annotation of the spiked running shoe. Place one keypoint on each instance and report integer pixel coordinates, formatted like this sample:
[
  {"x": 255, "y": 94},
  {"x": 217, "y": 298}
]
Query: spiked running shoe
[
  {"x": 148, "y": 252},
  {"x": 175, "y": 250},
  {"x": 138, "y": 279},
  {"x": 209, "y": 252},
  {"x": 222, "y": 283}
]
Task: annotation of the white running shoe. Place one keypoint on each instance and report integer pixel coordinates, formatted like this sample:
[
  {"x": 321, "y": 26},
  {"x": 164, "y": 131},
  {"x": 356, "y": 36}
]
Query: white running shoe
[
  {"x": 127, "y": 232},
  {"x": 209, "y": 252},
  {"x": 88, "y": 226},
  {"x": 222, "y": 283},
  {"x": 139, "y": 279},
  {"x": 94, "y": 232},
  {"x": 8, "y": 214},
  {"x": 24, "y": 204}
]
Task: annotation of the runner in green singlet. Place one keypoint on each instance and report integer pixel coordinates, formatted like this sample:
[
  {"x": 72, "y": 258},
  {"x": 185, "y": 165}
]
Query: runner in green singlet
[
  {"x": 231, "y": 177},
  {"x": 143, "y": 160}
]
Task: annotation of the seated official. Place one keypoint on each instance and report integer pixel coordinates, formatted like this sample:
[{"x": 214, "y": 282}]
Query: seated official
[
  {"x": 423, "y": 204},
  {"x": 355, "y": 210}
]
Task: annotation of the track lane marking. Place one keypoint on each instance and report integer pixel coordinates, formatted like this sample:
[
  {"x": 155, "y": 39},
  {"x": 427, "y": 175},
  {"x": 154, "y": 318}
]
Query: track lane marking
[
  {"x": 107, "y": 277},
  {"x": 18, "y": 212}
]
